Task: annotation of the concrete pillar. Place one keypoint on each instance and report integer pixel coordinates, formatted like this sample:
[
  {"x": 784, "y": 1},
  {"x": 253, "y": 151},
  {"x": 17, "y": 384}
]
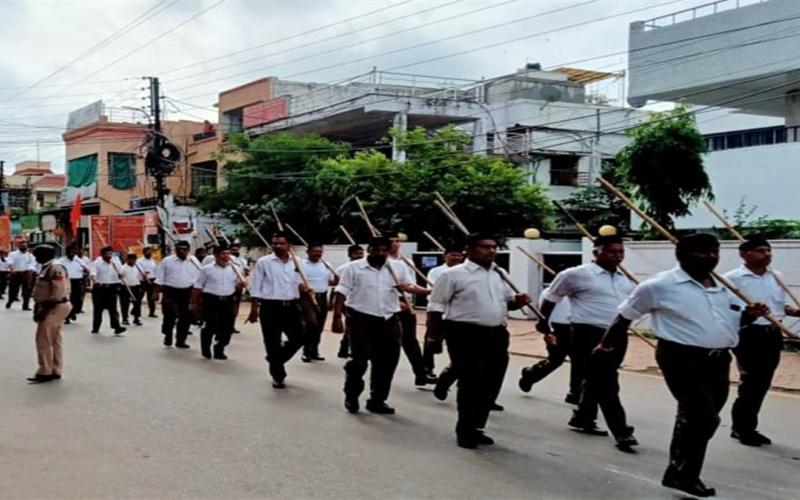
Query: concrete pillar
[
  {"x": 792, "y": 108},
  {"x": 479, "y": 138},
  {"x": 400, "y": 123}
]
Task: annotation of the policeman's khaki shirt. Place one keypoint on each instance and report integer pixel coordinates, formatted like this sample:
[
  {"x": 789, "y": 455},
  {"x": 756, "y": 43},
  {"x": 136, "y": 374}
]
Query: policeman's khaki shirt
[
  {"x": 52, "y": 284},
  {"x": 471, "y": 293}
]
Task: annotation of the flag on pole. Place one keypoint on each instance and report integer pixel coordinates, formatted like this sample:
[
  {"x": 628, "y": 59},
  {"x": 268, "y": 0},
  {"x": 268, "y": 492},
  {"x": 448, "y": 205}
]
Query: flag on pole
[{"x": 75, "y": 214}]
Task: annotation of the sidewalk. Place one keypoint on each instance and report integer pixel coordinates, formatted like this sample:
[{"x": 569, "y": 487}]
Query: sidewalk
[{"x": 639, "y": 358}]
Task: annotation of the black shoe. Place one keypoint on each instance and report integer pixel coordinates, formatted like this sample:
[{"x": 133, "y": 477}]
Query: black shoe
[
  {"x": 381, "y": 408},
  {"x": 317, "y": 357},
  {"x": 305, "y": 358},
  {"x": 168, "y": 341},
  {"x": 126, "y": 322},
  {"x": 278, "y": 384},
  {"x": 753, "y": 438},
  {"x": 586, "y": 427},
  {"x": 8, "y": 305},
  {"x": 525, "y": 382},
  {"x": 220, "y": 355},
  {"x": 152, "y": 316},
  {"x": 343, "y": 353},
  {"x": 627, "y": 442},
  {"x": 73, "y": 317},
  {"x": 26, "y": 308},
  {"x": 182, "y": 345},
  {"x": 235, "y": 331},
  {"x": 56, "y": 376},
  {"x": 40, "y": 379},
  {"x": 440, "y": 391},
  {"x": 421, "y": 380},
  {"x": 351, "y": 404},
  {"x": 496, "y": 407},
  {"x": 67, "y": 322},
  {"x": 119, "y": 331},
  {"x": 206, "y": 353},
  {"x": 693, "y": 486},
  {"x": 468, "y": 442},
  {"x": 137, "y": 322},
  {"x": 95, "y": 332},
  {"x": 572, "y": 399},
  {"x": 482, "y": 438}
]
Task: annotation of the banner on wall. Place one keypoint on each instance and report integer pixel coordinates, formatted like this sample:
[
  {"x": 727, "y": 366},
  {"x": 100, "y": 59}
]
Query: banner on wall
[
  {"x": 5, "y": 232},
  {"x": 100, "y": 233},
  {"x": 127, "y": 232}
]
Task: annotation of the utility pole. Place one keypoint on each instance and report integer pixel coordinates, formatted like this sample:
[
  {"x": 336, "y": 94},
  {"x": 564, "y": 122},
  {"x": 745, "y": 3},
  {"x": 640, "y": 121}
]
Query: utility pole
[
  {"x": 155, "y": 112},
  {"x": 3, "y": 207}
]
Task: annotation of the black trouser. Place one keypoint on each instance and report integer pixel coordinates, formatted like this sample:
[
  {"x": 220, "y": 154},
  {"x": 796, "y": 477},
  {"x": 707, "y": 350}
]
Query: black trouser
[
  {"x": 408, "y": 326},
  {"x": 479, "y": 357},
  {"x": 149, "y": 291},
  {"x": 3, "y": 282},
  {"x": 583, "y": 339},
  {"x": 601, "y": 387},
  {"x": 125, "y": 302},
  {"x": 757, "y": 356},
  {"x": 76, "y": 293},
  {"x": 219, "y": 318},
  {"x": 278, "y": 318},
  {"x": 698, "y": 380},
  {"x": 375, "y": 341},
  {"x": 314, "y": 319},
  {"x": 20, "y": 281},
  {"x": 175, "y": 308},
  {"x": 104, "y": 298},
  {"x": 556, "y": 355}
]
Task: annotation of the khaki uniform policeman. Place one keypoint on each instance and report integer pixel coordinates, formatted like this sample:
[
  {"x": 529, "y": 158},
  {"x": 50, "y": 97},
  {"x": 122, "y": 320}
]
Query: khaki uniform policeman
[{"x": 51, "y": 299}]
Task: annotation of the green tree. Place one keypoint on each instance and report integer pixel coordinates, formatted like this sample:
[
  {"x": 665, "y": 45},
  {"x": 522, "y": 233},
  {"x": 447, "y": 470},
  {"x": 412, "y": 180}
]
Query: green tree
[
  {"x": 593, "y": 206},
  {"x": 664, "y": 163}
]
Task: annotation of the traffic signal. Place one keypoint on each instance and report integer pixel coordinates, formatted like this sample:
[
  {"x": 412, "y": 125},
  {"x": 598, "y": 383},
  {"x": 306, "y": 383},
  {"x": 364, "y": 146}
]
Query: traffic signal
[{"x": 162, "y": 157}]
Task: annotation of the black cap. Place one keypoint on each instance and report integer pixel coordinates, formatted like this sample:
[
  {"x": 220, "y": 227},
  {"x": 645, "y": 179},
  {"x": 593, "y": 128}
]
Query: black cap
[
  {"x": 107, "y": 248},
  {"x": 607, "y": 240},
  {"x": 182, "y": 243},
  {"x": 754, "y": 242},
  {"x": 380, "y": 241},
  {"x": 696, "y": 242},
  {"x": 220, "y": 248}
]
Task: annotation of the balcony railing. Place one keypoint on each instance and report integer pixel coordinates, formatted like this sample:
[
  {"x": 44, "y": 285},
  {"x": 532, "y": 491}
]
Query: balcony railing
[
  {"x": 752, "y": 138},
  {"x": 707, "y": 9},
  {"x": 204, "y": 135}
]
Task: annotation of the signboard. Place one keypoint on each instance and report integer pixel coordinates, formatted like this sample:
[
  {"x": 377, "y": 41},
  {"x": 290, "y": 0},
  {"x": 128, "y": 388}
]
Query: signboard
[
  {"x": 48, "y": 222},
  {"x": 265, "y": 112},
  {"x": 5, "y": 232},
  {"x": 85, "y": 115},
  {"x": 127, "y": 232},
  {"x": 100, "y": 233}
]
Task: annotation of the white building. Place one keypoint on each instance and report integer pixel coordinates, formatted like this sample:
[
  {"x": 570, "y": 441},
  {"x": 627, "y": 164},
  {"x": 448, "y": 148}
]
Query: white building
[{"x": 740, "y": 55}]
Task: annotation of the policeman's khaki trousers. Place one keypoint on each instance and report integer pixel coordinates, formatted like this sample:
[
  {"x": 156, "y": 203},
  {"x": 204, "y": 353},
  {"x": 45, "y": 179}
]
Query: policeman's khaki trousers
[{"x": 48, "y": 339}]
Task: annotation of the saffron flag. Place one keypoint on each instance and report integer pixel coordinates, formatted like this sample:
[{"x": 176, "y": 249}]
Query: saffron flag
[{"x": 75, "y": 214}]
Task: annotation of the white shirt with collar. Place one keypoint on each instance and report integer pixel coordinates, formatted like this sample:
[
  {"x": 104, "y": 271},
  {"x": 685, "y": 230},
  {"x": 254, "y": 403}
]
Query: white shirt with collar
[
  {"x": 131, "y": 276},
  {"x": 318, "y": 275},
  {"x": 471, "y": 293},
  {"x": 106, "y": 273},
  {"x": 149, "y": 267},
  {"x": 241, "y": 262},
  {"x": 178, "y": 273},
  {"x": 274, "y": 279},
  {"x": 21, "y": 261},
  {"x": 764, "y": 288},
  {"x": 74, "y": 267},
  {"x": 594, "y": 294},
  {"x": 5, "y": 264},
  {"x": 369, "y": 290},
  {"x": 208, "y": 259},
  {"x": 437, "y": 271},
  {"x": 217, "y": 280},
  {"x": 685, "y": 311}
]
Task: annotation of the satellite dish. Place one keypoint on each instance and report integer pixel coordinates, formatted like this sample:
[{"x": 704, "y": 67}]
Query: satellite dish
[{"x": 551, "y": 93}]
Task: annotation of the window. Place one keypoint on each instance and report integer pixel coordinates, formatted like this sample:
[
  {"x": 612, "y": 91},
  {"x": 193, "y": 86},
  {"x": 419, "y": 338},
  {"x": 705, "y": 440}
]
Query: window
[
  {"x": 204, "y": 174},
  {"x": 82, "y": 171},
  {"x": 121, "y": 170},
  {"x": 564, "y": 170}
]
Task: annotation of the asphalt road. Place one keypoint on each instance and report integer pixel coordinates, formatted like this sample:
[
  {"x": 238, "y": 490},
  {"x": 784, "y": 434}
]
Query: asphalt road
[{"x": 134, "y": 419}]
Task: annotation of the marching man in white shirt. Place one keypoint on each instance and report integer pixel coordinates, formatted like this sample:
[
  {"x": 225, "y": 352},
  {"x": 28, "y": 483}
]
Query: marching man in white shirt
[
  {"x": 214, "y": 300},
  {"x": 760, "y": 343},
  {"x": 5, "y": 271},
  {"x": 132, "y": 277},
  {"x": 354, "y": 253},
  {"x": 21, "y": 278},
  {"x": 106, "y": 274},
  {"x": 469, "y": 308},
  {"x": 77, "y": 273},
  {"x": 595, "y": 291},
  {"x": 697, "y": 321},
  {"x": 148, "y": 266},
  {"x": 175, "y": 278},
  {"x": 368, "y": 290},
  {"x": 275, "y": 289},
  {"x": 320, "y": 278}
]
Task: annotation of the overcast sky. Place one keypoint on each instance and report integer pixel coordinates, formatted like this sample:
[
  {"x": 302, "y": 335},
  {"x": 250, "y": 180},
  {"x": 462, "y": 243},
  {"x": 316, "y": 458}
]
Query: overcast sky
[{"x": 58, "y": 55}]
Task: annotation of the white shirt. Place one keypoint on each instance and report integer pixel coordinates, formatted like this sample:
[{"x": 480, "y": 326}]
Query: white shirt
[
  {"x": 5, "y": 264},
  {"x": 274, "y": 279},
  {"x": 208, "y": 259},
  {"x": 435, "y": 272},
  {"x": 685, "y": 311},
  {"x": 217, "y": 280},
  {"x": 73, "y": 266},
  {"x": 106, "y": 273},
  {"x": 149, "y": 267},
  {"x": 562, "y": 313},
  {"x": 21, "y": 261},
  {"x": 369, "y": 290},
  {"x": 471, "y": 293},
  {"x": 318, "y": 275},
  {"x": 241, "y": 262},
  {"x": 763, "y": 289},
  {"x": 131, "y": 276},
  {"x": 594, "y": 294},
  {"x": 177, "y": 273}
]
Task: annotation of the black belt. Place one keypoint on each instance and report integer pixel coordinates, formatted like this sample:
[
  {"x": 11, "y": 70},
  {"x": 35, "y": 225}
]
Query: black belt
[
  {"x": 280, "y": 303},
  {"x": 221, "y": 298},
  {"x": 353, "y": 313},
  {"x": 703, "y": 351}
]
